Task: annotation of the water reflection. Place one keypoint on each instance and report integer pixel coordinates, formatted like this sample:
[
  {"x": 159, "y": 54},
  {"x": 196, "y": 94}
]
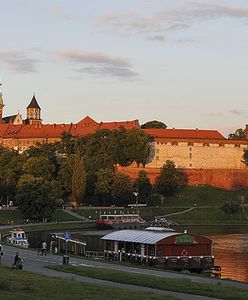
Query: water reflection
[{"x": 231, "y": 253}]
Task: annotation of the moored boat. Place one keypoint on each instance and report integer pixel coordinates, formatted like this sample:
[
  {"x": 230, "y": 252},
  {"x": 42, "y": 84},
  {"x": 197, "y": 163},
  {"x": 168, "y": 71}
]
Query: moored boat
[
  {"x": 18, "y": 238},
  {"x": 122, "y": 221}
]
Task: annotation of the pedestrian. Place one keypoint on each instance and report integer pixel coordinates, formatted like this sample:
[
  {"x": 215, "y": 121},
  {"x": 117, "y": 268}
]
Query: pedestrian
[
  {"x": 16, "y": 259},
  {"x": 1, "y": 252},
  {"x": 43, "y": 248}
]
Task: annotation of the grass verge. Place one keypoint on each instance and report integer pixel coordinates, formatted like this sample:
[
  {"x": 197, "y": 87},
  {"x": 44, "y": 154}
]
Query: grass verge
[
  {"x": 176, "y": 285},
  {"x": 22, "y": 285}
]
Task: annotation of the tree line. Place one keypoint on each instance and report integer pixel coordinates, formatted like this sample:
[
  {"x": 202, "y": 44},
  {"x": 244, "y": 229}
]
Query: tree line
[{"x": 82, "y": 170}]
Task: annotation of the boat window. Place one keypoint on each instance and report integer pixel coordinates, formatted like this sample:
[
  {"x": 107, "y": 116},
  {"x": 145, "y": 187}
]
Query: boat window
[{"x": 103, "y": 217}]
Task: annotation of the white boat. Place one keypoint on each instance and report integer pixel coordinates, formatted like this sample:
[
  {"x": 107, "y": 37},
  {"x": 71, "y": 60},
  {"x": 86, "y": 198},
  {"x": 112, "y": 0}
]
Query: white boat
[
  {"x": 123, "y": 221},
  {"x": 18, "y": 238}
]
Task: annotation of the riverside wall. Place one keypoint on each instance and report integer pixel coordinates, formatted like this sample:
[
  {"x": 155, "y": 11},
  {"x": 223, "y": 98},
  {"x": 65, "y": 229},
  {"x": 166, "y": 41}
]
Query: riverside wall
[{"x": 229, "y": 179}]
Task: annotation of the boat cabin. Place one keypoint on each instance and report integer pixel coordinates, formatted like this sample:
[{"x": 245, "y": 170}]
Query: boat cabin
[
  {"x": 18, "y": 238},
  {"x": 171, "y": 250},
  {"x": 120, "y": 221}
]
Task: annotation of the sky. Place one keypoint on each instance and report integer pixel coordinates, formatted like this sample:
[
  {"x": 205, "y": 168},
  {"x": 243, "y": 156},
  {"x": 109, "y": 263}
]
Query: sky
[{"x": 182, "y": 62}]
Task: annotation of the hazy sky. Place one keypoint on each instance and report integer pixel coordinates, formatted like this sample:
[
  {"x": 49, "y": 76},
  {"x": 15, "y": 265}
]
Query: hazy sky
[{"x": 184, "y": 63}]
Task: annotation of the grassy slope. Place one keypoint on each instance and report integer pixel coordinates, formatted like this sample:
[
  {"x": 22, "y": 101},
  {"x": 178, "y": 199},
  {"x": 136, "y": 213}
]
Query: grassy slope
[
  {"x": 178, "y": 285},
  {"x": 21, "y": 285},
  {"x": 208, "y": 201}
]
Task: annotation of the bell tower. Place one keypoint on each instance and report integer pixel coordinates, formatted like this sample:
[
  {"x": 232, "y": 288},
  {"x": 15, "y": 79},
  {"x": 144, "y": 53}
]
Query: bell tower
[
  {"x": 1, "y": 105},
  {"x": 34, "y": 112}
]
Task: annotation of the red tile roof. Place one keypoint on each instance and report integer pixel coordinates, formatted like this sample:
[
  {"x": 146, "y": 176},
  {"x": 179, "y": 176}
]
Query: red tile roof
[
  {"x": 84, "y": 127},
  {"x": 184, "y": 133}
]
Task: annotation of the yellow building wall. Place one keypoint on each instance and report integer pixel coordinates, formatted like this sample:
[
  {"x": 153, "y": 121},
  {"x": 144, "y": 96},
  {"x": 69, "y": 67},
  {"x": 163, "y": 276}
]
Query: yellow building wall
[{"x": 197, "y": 155}]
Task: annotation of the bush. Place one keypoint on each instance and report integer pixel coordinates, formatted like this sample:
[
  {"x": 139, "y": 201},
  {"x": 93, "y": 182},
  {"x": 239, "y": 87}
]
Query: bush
[{"x": 231, "y": 207}]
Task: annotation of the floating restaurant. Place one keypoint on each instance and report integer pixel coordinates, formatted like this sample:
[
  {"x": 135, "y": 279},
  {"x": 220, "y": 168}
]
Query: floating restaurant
[{"x": 171, "y": 250}]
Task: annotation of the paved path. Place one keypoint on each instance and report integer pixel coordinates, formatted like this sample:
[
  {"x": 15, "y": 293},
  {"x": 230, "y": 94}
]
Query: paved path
[{"x": 36, "y": 264}]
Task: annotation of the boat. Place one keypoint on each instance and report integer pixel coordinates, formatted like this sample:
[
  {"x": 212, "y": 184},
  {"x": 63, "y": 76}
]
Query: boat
[
  {"x": 123, "y": 221},
  {"x": 18, "y": 238},
  {"x": 160, "y": 225}
]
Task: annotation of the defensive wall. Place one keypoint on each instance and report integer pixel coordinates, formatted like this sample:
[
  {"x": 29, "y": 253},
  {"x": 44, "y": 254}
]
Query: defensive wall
[
  {"x": 230, "y": 179},
  {"x": 198, "y": 154}
]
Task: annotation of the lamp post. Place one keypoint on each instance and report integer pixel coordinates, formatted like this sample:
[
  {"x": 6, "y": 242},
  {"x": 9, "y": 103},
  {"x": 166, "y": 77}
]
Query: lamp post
[{"x": 136, "y": 196}]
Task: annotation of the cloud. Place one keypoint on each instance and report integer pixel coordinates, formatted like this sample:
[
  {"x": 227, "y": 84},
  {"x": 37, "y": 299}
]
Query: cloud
[
  {"x": 99, "y": 64},
  {"x": 236, "y": 112},
  {"x": 59, "y": 11},
  {"x": 160, "y": 25},
  {"x": 214, "y": 114},
  {"x": 18, "y": 61}
]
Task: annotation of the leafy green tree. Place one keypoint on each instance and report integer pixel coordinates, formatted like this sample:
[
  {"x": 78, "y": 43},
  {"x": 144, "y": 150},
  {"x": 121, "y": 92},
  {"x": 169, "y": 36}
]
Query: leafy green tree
[
  {"x": 10, "y": 171},
  {"x": 231, "y": 207},
  {"x": 239, "y": 134},
  {"x": 170, "y": 179},
  {"x": 153, "y": 124},
  {"x": 144, "y": 187},
  {"x": 39, "y": 167},
  {"x": 35, "y": 198},
  {"x": 78, "y": 178},
  {"x": 136, "y": 146},
  {"x": 121, "y": 190},
  {"x": 245, "y": 157},
  {"x": 99, "y": 150},
  {"x": 104, "y": 181},
  {"x": 63, "y": 184}
]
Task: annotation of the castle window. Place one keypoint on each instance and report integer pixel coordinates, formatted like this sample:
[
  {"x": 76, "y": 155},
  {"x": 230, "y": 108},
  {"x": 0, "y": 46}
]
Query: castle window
[
  {"x": 237, "y": 146},
  {"x": 157, "y": 150},
  {"x": 190, "y": 144},
  {"x": 190, "y": 149},
  {"x": 221, "y": 145},
  {"x": 174, "y": 143},
  {"x": 190, "y": 155},
  {"x": 157, "y": 157},
  {"x": 190, "y": 165},
  {"x": 205, "y": 144}
]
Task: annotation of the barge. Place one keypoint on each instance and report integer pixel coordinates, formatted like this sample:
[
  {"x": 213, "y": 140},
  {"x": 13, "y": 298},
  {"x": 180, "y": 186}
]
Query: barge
[{"x": 170, "y": 250}]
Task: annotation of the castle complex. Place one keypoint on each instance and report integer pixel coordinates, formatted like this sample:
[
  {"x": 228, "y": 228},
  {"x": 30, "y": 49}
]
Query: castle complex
[{"x": 206, "y": 156}]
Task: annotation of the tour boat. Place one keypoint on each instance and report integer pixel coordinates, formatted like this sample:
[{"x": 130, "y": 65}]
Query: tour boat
[
  {"x": 18, "y": 238},
  {"x": 123, "y": 221}
]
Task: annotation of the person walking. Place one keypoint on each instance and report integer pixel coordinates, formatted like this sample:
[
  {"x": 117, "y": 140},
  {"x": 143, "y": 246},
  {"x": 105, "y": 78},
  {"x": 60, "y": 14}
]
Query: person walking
[
  {"x": 43, "y": 248},
  {"x": 1, "y": 253}
]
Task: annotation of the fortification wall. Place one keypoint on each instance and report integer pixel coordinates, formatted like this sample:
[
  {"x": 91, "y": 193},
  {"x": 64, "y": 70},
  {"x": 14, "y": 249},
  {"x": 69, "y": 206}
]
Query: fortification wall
[
  {"x": 193, "y": 155},
  {"x": 230, "y": 179}
]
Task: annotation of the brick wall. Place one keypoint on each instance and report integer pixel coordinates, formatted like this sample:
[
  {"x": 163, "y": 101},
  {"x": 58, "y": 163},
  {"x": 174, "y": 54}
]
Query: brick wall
[{"x": 230, "y": 179}]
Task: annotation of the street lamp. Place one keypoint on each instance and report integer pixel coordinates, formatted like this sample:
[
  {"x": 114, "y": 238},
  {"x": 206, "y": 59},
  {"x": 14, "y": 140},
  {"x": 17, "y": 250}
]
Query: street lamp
[{"x": 136, "y": 196}]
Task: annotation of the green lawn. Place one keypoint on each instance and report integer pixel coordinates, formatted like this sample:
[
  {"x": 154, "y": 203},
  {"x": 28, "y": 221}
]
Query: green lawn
[
  {"x": 8, "y": 215},
  {"x": 177, "y": 285},
  {"x": 22, "y": 285}
]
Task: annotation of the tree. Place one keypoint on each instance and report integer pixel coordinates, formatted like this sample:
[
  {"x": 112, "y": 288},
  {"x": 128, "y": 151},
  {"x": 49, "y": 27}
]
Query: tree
[
  {"x": 136, "y": 146},
  {"x": 63, "y": 184},
  {"x": 35, "y": 198},
  {"x": 121, "y": 189},
  {"x": 78, "y": 178},
  {"x": 170, "y": 179},
  {"x": 144, "y": 187},
  {"x": 104, "y": 181},
  {"x": 239, "y": 134},
  {"x": 231, "y": 207},
  {"x": 39, "y": 167},
  {"x": 245, "y": 157},
  {"x": 154, "y": 124}
]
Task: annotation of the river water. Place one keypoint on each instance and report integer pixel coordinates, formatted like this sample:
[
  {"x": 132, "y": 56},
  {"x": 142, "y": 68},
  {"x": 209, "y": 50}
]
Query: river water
[{"x": 230, "y": 246}]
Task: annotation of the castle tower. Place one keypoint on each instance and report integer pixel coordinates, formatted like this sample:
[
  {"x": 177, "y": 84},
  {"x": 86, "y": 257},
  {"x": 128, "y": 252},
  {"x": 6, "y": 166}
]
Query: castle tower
[
  {"x": 33, "y": 112},
  {"x": 1, "y": 106}
]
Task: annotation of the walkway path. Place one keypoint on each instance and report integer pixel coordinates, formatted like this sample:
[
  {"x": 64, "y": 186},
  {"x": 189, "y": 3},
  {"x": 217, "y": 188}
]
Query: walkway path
[{"x": 36, "y": 264}]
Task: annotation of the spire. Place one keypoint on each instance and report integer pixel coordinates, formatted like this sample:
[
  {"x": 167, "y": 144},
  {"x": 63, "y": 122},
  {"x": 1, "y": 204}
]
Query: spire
[{"x": 33, "y": 103}]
